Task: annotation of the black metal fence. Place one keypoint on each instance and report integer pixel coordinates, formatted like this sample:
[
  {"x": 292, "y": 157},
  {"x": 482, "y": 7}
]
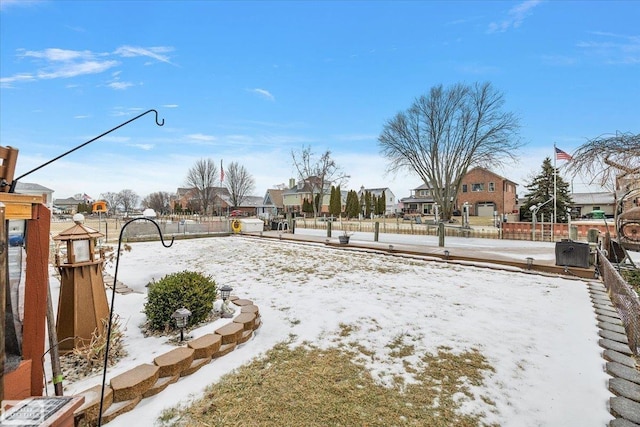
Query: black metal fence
[{"x": 625, "y": 300}]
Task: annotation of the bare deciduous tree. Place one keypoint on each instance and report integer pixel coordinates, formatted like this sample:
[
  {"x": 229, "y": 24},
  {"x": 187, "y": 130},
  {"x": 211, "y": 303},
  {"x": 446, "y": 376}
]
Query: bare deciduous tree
[
  {"x": 317, "y": 173},
  {"x": 239, "y": 182},
  {"x": 128, "y": 199},
  {"x": 606, "y": 157},
  {"x": 111, "y": 199},
  {"x": 442, "y": 135},
  {"x": 158, "y": 201},
  {"x": 202, "y": 178}
]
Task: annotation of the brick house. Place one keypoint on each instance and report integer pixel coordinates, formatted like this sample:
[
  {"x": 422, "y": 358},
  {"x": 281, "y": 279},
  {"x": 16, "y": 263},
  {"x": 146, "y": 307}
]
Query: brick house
[
  {"x": 484, "y": 191},
  {"x": 188, "y": 199},
  {"x": 487, "y": 192}
]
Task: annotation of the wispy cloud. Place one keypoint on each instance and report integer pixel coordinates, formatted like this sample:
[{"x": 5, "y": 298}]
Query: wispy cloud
[
  {"x": 81, "y": 117},
  {"x": 150, "y": 52},
  {"x": 477, "y": 69},
  {"x": 201, "y": 137},
  {"x": 6, "y": 4},
  {"x": 515, "y": 17},
  {"x": 170, "y": 105},
  {"x": 356, "y": 137},
  {"x": 463, "y": 21},
  {"x": 263, "y": 93},
  {"x": 613, "y": 48},
  {"x": 559, "y": 60},
  {"x": 119, "y": 85},
  {"x": 55, "y": 63},
  {"x": 145, "y": 147}
]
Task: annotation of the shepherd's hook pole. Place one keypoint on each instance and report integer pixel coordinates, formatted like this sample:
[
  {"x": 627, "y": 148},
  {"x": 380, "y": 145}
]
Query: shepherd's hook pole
[{"x": 15, "y": 181}]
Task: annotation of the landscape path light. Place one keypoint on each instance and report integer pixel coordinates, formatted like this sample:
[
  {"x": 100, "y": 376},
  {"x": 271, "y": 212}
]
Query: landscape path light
[
  {"x": 181, "y": 317},
  {"x": 225, "y": 293},
  {"x": 529, "y": 263}
]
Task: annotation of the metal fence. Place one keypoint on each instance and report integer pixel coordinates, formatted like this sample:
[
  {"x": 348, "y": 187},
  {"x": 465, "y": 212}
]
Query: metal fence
[
  {"x": 142, "y": 230},
  {"x": 625, "y": 300},
  {"x": 399, "y": 227}
]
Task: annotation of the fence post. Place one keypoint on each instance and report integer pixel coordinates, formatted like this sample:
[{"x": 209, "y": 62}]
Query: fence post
[
  {"x": 329, "y": 229},
  {"x": 441, "y": 234},
  {"x": 376, "y": 231}
]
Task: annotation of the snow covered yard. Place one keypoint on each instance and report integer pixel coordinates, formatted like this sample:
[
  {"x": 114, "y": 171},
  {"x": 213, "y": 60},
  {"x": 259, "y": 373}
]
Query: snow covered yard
[{"x": 538, "y": 333}]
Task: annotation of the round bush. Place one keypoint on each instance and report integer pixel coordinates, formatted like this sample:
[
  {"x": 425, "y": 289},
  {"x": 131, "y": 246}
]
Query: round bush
[{"x": 189, "y": 289}]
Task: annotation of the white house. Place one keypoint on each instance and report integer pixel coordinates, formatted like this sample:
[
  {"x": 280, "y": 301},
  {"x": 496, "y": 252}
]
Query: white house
[{"x": 391, "y": 203}]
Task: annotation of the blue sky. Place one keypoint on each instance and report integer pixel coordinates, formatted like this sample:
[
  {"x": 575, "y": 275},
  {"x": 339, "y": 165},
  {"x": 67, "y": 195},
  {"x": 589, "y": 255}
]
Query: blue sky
[{"x": 251, "y": 81}]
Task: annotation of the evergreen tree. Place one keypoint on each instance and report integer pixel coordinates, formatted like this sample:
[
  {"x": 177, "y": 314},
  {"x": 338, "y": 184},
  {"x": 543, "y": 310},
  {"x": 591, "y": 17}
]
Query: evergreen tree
[
  {"x": 382, "y": 204},
  {"x": 335, "y": 203},
  {"x": 307, "y": 207},
  {"x": 352, "y": 207},
  {"x": 367, "y": 204},
  {"x": 541, "y": 191},
  {"x": 317, "y": 204}
]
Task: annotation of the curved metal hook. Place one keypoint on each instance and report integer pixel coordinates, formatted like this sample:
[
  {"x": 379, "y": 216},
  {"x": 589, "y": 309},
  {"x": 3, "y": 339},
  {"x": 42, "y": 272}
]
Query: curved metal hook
[
  {"x": 113, "y": 297},
  {"x": 159, "y": 123}
]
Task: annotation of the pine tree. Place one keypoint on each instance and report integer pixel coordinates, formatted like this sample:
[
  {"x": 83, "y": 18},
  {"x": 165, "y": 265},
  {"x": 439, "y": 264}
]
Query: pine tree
[
  {"x": 334, "y": 202},
  {"x": 352, "y": 207},
  {"x": 541, "y": 191},
  {"x": 382, "y": 203},
  {"x": 307, "y": 207}
]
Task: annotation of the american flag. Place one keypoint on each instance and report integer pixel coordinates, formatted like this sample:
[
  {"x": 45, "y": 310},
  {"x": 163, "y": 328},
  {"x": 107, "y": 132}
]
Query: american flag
[{"x": 561, "y": 155}]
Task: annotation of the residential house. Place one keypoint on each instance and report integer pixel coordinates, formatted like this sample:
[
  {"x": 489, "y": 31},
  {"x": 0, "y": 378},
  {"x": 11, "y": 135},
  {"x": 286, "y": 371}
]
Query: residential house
[
  {"x": 251, "y": 205},
  {"x": 488, "y": 193},
  {"x": 294, "y": 196},
  {"x": 68, "y": 206},
  {"x": 188, "y": 199},
  {"x": 585, "y": 203},
  {"x": 272, "y": 203},
  {"x": 419, "y": 202},
  {"x": 36, "y": 190},
  {"x": 391, "y": 204},
  {"x": 485, "y": 192}
]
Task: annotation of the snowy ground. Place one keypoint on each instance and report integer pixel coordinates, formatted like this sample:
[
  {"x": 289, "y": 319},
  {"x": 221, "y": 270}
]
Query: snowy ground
[{"x": 539, "y": 333}]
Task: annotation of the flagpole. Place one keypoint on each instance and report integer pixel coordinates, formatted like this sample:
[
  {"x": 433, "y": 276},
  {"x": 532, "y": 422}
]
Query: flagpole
[{"x": 555, "y": 203}]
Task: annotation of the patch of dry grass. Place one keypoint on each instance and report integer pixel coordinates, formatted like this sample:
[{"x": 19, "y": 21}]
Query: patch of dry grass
[{"x": 309, "y": 386}]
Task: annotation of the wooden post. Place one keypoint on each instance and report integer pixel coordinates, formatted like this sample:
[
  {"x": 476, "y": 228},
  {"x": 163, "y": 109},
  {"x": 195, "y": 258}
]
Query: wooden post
[
  {"x": 53, "y": 345},
  {"x": 4, "y": 284},
  {"x": 8, "y": 160},
  {"x": 441, "y": 234},
  {"x": 35, "y": 312}
]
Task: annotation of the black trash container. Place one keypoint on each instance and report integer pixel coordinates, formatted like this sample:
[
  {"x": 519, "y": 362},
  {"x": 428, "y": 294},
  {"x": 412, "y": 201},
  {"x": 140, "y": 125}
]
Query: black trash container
[{"x": 572, "y": 254}]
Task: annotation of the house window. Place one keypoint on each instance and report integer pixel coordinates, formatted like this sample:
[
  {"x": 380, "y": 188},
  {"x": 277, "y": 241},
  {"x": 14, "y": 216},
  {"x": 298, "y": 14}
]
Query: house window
[
  {"x": 492, "y": 186},
  {"x": 464, "y": 188},
  {"x": 477, "y": 187},
  {"x": 424, "y": 192}
]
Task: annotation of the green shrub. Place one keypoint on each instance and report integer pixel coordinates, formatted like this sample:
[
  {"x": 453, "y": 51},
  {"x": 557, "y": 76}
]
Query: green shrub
[{"x": 187, "y": 289}]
